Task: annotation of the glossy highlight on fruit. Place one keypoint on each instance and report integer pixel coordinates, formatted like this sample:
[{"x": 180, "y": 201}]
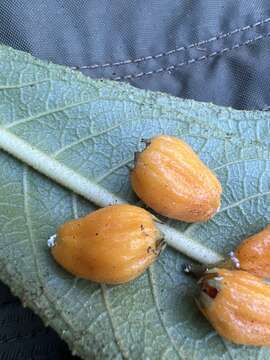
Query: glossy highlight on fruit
[
  {"x": 237, "y": 304},
  {"x": 254, "y": 253},
  {"x": 171, "y": 179},
  {"x": 112, "y": 245}
]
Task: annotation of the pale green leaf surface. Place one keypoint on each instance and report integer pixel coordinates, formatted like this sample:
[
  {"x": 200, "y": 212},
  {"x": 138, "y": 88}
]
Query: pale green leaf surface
[{"x": 89, "y": 130}]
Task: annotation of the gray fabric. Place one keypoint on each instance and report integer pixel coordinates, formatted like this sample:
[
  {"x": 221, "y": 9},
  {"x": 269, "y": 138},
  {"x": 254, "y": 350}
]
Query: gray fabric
[
  {"x": 228, "y": 67},
  {"x": 207, "y": 50}
]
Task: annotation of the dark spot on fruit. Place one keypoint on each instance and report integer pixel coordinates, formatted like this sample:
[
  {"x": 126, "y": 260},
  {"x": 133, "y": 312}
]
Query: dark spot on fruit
[
  {"x": 210, "y": 290},
  {"x": 142, "y": 227},
  {"x": 96, "y": 234},
  {"x": 149, "y": 249}
]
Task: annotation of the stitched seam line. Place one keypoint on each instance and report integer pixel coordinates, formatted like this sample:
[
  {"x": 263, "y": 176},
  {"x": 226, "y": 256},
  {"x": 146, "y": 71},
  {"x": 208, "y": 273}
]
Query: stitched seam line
[
  {"x": 173, "y": 51},
  {"x": 192, "y": 61}
]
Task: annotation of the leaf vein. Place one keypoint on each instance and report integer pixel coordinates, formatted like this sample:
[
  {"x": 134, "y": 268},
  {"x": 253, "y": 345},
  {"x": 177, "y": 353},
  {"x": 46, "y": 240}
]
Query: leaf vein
[
  {"x": 109, "y": 312},
  {"x": 103, "y": 291},
  {"x": 191, "y": 227},
  {"x": 85, "y": 138},
  {"x": 154, "y": 296},
  {"x": 18, "y": 86},
  {"x": 244, "y": 200},
  {"x": 113, "y": 169}
]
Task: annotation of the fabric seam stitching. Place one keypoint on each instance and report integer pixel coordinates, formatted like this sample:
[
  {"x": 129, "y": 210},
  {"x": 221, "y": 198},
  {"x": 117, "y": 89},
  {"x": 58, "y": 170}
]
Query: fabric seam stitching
[
  {"x": 193, "y": 60},
  {"x": 173, "y": 51}
]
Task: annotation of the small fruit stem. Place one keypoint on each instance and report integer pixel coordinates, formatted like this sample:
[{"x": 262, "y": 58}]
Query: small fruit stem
[
  {"x": 189, "y": 246},
  {"x": 161, "y": 244},
  {"x": 196, "y": 270},
  {"x": 136, "y": 156},
  {"x": 231, "y": 263},
  {"x": 147, "y": 142}
]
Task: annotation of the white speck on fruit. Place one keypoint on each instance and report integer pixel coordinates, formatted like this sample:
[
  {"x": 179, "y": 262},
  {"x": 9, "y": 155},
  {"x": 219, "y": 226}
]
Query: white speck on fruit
[
  {"x": 52, "y": 241},
  {"x": 235, "y": 260}
]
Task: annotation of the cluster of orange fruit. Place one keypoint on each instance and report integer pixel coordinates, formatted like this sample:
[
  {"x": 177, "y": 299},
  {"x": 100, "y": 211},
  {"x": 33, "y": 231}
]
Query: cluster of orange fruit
[
  {"x": 116, "y": 244},
  {"x": 235, "y": 296}
]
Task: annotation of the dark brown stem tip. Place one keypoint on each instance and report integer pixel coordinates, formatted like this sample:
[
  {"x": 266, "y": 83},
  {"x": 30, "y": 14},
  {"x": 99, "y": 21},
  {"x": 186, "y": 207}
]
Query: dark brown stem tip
[
  {"x": 130, "y": 167},
  {"x": 147, "y": 142},
  {"x": 160, "y": 246},
  {"x": 186, "y": 268},
  {"x": 157, "y": 219},
  {"x": 195, "y": 270},
  {"x": 136, "y": 156}
]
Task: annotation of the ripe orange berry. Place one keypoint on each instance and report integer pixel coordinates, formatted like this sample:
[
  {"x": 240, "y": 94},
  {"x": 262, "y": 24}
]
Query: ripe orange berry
[
  {"x": 237, "y": 304},
  {"x": 112, "y": 245},
  {"x": 254, "y": 253},
  {"x": 170, "y": 178}
]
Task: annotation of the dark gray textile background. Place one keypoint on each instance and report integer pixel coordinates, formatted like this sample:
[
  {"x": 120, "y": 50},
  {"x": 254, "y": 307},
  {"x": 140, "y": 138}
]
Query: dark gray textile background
[
  {"x": 213, "y": 50},
  {"x": 208, "y": 50}
]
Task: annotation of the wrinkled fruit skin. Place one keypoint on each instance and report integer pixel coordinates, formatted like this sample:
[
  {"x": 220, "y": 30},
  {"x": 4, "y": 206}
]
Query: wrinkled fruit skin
[
  {"x": 254, "y": 253},
  {"x": 237, "y": 304},
  {"x": 112, "y": 245},
  {"x": 170, "y": 178}
]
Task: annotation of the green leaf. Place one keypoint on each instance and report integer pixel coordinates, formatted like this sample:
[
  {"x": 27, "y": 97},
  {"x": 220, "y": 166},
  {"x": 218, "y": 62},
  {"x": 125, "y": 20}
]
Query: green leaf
[{"x": 79, "y": 134}]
